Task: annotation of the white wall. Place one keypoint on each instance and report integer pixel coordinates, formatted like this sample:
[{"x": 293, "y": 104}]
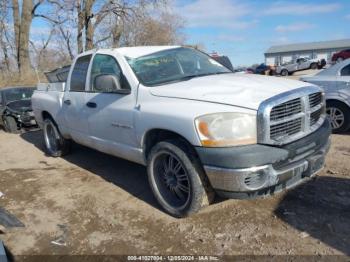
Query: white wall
[
  {"x": 271, "y": 61},
  {"x": 286, "y": 59},
  {"x": 322, "y": 56}
]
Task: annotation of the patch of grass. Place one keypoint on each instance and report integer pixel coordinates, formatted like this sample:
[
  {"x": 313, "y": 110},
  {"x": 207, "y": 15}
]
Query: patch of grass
[{"x": 16, "y": 79}]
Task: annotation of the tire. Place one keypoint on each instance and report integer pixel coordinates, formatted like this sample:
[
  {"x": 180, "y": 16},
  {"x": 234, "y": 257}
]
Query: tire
[
  {"x": 179, "y": 185},
  {"x": 339, "y": 59},
  {"x": 313, "y": 66},
  {"x": 55, "y": 144},
  {"x": 339, "y": 115},
  {"x": 10, "y": 125},
  {"x": 284, "y": 72}
]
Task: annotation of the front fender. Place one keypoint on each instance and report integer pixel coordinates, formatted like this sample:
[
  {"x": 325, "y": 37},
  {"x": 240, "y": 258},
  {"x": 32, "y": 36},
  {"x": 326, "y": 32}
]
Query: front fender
[{"x": 339, "y": 96}]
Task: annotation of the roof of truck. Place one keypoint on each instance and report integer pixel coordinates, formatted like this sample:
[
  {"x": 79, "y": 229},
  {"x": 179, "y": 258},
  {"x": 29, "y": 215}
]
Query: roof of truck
[{"x": 138, "y": 51}]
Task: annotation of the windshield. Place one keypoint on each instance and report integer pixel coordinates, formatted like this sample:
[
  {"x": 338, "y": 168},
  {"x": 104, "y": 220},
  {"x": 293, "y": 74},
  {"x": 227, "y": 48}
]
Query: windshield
[
  {"x": 174, "y": 65},
  {"x": 17, "y": 94}
]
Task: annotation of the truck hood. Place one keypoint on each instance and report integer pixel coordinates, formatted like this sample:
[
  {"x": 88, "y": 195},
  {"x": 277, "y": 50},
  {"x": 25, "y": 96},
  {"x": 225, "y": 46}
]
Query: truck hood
[
  {"x": 20, "y": 106},
  {"x": 243, "y": 90}
]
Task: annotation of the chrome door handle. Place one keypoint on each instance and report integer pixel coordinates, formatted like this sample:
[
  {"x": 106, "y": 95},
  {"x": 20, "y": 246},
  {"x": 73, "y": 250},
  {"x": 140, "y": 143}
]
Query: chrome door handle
[{"x": 67, "y": 102}]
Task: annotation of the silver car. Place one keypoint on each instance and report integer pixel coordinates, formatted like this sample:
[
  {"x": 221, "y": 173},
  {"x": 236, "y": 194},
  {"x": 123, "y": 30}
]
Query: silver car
[
  {"x": 335, "y": 81},
  {"x": 302, "y": 63}
]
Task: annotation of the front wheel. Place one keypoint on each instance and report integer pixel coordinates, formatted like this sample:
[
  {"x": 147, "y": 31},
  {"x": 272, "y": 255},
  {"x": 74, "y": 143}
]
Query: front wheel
[
  {"x": 284, "y": 72},
  {"x": 56, "y": 145},
  {"x": 177, "y": 180},
  {"x": 10, "y": 125},
  {"x": 339, "y": 115}
]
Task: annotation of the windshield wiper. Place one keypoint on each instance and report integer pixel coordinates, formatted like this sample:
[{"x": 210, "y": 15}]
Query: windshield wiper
[{"x": 189, "y": 77}]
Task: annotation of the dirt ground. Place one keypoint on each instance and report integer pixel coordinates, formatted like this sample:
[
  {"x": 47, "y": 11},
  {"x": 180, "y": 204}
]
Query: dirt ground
[
  {"x": 92, "y": 203},
  {"x": 298, "y": 74}
]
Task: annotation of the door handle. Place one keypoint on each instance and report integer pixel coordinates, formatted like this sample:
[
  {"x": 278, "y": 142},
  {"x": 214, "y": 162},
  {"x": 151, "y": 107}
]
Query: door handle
[
  {"x": 91, "y": 104},
  {"x": 67, "y": 102}
]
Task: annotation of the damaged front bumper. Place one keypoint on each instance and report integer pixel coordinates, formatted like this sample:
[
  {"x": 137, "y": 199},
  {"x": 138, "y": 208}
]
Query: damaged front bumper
[
  {"x": 27, "y": 119},
  {"x": 257, "y": 170}
]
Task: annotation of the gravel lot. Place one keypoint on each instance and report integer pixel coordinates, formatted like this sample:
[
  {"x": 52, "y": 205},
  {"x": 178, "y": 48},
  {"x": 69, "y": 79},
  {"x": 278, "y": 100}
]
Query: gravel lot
[{"x": 92, "y": 203}]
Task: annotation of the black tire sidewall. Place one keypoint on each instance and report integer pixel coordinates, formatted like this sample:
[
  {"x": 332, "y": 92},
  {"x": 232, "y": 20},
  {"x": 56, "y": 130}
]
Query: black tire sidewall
[
  {"x": 284, "y": 72},
  {"x": 339, "y": 59},
  {"x": 63, "y": 143},
  {"x": 346, "y": 111},
  {"x": 197, "y": 191},
  {"x": 10, "y": 125}
]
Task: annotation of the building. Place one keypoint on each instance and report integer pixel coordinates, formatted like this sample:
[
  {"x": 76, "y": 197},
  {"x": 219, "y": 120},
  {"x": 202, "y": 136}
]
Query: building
[{"x": 281, "y": 54}]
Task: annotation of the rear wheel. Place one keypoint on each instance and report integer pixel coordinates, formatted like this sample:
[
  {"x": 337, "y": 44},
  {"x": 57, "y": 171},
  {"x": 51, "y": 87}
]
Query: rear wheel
[
  {"x": 177, "y": 179},
  {"x": 284, "y": 72},
  {"x": 339, "y": 115},
  {"x": 10, "y": 125},
  {"x": 314, "y": 66},
  {"x": 56, "y": 145}
]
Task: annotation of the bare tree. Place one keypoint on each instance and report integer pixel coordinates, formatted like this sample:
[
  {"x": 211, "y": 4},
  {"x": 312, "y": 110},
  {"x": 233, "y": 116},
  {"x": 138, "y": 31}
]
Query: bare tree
[
  {"x": 145, "y": 29},
  {"x": 78, "y": 25},
  {"x": 62, "y": 18},
  {"x": 5, "y": 45},
  {"x": 22, "y": 20},
  {"x": 41, "y": 51}
]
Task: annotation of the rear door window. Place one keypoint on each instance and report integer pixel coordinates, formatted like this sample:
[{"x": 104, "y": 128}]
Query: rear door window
[{"x": 78, "y": 77}]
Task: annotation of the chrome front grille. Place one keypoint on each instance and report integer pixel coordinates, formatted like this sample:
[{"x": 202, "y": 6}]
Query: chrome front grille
[
  {"x": 315, "y": 116},
  {"x": 286, "y": 128},
  {"x": 286, "y": 109},
  {"x": 315, "y": 99},
  {"x": 290, "y": 116}
]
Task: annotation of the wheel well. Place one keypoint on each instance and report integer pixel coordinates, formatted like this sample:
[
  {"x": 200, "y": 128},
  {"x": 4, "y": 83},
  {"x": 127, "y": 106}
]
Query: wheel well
[
  {"x": 154, "y": 136},
  {"x": 337, "y": 101},
  {"x": 46, "y": 115}
]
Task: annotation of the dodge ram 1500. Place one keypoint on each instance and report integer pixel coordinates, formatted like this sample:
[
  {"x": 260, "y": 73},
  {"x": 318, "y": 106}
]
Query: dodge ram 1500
[{"x": 199, "y": 128}]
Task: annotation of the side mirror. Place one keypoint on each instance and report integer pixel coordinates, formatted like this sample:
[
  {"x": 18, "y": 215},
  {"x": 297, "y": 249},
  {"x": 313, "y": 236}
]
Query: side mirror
[{"x": 107, "y": 83}]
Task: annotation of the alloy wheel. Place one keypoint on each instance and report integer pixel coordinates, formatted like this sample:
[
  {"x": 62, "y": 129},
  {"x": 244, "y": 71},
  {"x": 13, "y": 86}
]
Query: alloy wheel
[
  {"x": 51, "y": 138},
  {"x": 336, "y": 116},
  {"x": 172, "y": 180}
]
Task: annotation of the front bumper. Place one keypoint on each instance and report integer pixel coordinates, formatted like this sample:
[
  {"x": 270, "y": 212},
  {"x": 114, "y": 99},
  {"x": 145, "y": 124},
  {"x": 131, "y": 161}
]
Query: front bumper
[{"x": 257, "y": 170}]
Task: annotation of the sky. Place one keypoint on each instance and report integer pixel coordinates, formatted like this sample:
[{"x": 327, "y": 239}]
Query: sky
[{"x": 244, "y": 30}]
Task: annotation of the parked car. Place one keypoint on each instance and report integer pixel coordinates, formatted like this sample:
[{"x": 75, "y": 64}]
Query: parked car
[
  {"x": 15, "y": 108},
  {"x": 302, "y": 63},
  {"x": 198, "y": 127},
  {"x": 335, "y": 81},
  {"x": 249, "y": 70},
  {"x": 340, "y": 56},
  {"x": 263, "y": 69}
]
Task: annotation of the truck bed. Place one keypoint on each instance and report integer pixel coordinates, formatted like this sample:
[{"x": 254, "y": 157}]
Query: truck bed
[{"x": 48, "y": 97}]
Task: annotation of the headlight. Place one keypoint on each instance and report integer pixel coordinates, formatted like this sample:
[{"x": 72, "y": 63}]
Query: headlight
[{"x": 226, "y": 129}]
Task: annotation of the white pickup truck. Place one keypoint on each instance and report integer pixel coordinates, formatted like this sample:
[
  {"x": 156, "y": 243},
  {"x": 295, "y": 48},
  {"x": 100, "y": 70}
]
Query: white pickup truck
[{"x": 199, "y": 128}]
